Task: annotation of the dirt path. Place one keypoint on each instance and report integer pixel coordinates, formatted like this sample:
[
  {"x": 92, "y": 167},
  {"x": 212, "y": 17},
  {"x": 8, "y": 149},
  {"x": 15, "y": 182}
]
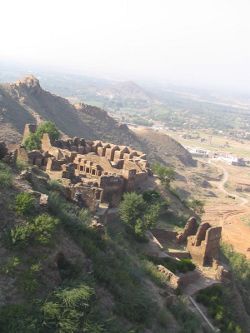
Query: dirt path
[
  {"x": 221, "y": 184},
  {"x": 230, "y": 215}
]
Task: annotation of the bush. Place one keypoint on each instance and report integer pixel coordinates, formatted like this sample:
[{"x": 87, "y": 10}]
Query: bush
[
  {"x": 29, "y": 279},
  {"x": 50, "y": 128},
  {"x": 197, "y": 206},
  {"x": 38, "y": 230},
  {"x": 33, "y": 141},
  {"x": 10, "y": 266},
  {"x": 24, "y": 203},
  {"x": 165, "y": 174},
  {"x": 217, "y": 300},
  {"x": 21, "y": 165},
  {"x": 67, "y": 309},
  {"x": 137, "y": 214},
  {"x": 240, "y": 267},
  {"x": 188, "y": 321},
  {"x": 5, "y": 176},
  {"x": 151, "y": 196},
  {"x": 159, "y": 278},
  {"x": 18, "y": 318},
  {"x": 175, "y": 266}
]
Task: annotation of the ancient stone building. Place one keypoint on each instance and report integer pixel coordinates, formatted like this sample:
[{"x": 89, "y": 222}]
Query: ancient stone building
[
  {"x": 205, "y": 244},
  {"x": 189, "y": 230},
  {"x": 96, "y": 171}
]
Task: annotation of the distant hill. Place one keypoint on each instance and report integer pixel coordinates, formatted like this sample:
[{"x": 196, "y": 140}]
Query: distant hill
[
  {"x": 170, "y": 151},
  {"x": 26, "y": 102}
]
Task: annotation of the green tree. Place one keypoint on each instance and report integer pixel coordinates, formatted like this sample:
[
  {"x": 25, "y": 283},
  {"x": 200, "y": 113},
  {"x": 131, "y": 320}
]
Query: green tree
[
  {"x": 48, "y": 127},
  {"x": 132, "y": 208},
  {"x": 166, "y": 174},
  {"x": 138, "y": 214},
  {"x": 33, "y": 141}
]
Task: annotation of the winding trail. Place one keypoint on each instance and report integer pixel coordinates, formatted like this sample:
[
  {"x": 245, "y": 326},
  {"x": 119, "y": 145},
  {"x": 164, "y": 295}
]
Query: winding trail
[
  {"x": 229, "y": 215},
  {"x": 221, "y": 184}
]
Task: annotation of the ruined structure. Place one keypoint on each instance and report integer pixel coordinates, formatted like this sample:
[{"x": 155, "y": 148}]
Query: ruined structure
[
  {"x": 189, "y": 230},
  {"x": 205, "y": 244},
  {"x": 93, "y": 171}
]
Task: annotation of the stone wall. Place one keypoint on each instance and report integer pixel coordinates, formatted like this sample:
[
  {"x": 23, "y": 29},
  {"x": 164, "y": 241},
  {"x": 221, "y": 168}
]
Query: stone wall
[
  {"x": 180, "y": 280},
  {"x": 205, "y": 244},
  {"x": 113, "y": 168},
  {"x": 189, "y": 230}
]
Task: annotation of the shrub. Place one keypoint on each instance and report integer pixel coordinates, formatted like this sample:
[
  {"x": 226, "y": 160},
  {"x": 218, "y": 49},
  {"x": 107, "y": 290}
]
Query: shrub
[
  {"x": 21, "y": 165},
  {"x": 166, "y": 174},
  {"x": 132, "y": 208},
  {"x": 33, "y": 141},
  {"x": 137, "y": 214},
  {"x": 197, "y": 206},
  {"x": 10, "y": 266},
  {"x": 217, "y": 300},
  {"x": 38, "y": 230},
  {"x": 159, "y": 278},
  {"x": 175, "y": 266},
  {"x": 50, "y": 128},
  {"x": 240, "y": 267},
  {"x": 188, "y": 321},
  {"x": 55, "y": 185},
  {"x": 24, "y": 203},
  {"x": 29, "y": 279},
  {"x": 151, "y": 196},
  {"x": 67, "y": 309},
  {"x": 5, "y": 176},
  {"x": 17, "y": 318}
]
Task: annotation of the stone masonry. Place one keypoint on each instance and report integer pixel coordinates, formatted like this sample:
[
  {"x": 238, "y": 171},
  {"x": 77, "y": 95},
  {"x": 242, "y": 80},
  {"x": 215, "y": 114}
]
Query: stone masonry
[{"x": 95, "y": 171}]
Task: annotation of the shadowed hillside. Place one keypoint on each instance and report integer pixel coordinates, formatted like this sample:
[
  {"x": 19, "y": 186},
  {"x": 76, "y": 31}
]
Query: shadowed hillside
[{"x": 26, "y": 102}]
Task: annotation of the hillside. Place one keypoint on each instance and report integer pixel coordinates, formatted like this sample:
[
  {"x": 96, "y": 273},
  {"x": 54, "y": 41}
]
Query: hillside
[
  {"x": 26, "y": 102},
  {"x": 171, "y": 151},
  {"x": 61, "y": 274}
]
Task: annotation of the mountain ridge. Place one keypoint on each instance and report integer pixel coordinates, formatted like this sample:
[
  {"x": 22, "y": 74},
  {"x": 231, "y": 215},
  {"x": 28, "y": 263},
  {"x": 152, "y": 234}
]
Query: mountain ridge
[{"x": 25, "y": 101}]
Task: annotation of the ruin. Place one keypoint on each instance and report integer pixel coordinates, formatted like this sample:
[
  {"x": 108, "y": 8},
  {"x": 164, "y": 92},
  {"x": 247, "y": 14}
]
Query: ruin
[
  {"x": 93, "y": 172},
  {"x": 205, "y": 244}
]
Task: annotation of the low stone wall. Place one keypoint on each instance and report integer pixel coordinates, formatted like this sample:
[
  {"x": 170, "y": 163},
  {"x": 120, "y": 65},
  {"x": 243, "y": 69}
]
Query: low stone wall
[
  {"x": 181, "y": 280},
  {"x": 164, "y": 236}
]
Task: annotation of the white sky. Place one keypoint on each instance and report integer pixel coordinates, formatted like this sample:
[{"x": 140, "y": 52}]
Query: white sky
[{"x": 185, "y": 41}]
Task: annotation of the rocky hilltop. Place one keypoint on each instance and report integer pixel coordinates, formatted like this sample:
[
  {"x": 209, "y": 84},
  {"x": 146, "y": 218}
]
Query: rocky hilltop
[{"x": 25, "y": 101}]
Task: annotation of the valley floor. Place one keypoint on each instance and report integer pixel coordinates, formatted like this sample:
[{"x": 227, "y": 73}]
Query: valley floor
[{"x": 230, "y": 210}]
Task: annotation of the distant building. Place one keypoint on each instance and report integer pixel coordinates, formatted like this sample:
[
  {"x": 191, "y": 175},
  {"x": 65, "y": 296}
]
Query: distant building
[{"x": 198, "y": 152}]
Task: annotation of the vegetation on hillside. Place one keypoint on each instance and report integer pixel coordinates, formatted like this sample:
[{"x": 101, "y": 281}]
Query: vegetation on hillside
[
  {"x": 5, "y": 176},
  {"x": 220, "y": 307},
  {"x": 166, "y": 174},
  {"x": 196, "y": 205},
  {"x": 75, "y": 305},
  {"x": 139, "y": 212},
  {"x": 33, "y": 141},
  {"x": 240, "y": 267}
]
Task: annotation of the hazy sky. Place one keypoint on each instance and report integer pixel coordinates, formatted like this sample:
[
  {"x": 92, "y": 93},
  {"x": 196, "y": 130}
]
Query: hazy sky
[{"x": 185, "y": 41}]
